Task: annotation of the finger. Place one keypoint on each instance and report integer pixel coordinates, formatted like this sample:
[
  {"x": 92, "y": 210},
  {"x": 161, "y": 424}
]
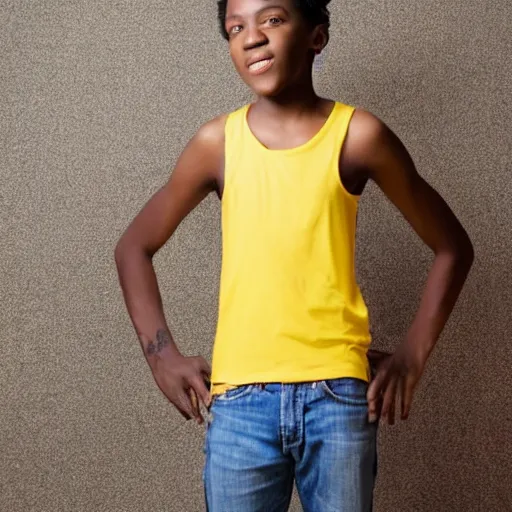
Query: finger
[
  {"x": 182, "y": 413},
  {"x": 183, "y": 402},
  {"x": 373, "y": 413},
  {"x": 374, "y": 389},
  {"x": 389, "y": 396},
  {"x": 195, "y": 406},
  {"x": 175, "y": 400},
  {"x": 377, "y": 355},
  {"x": 201, "y": 390},
  {"x": 407, "y": 395},
  {"x": 193, "y": 400},
  {"x": 374, "y": 394},
  {"x": 375, "y": 409},
  {"x": 379, "y": 406}
]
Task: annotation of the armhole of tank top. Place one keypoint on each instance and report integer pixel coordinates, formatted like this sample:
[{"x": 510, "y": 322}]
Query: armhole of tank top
[
  {"x": 230, "y": 118},
  {"x": 346, "y": 117}
]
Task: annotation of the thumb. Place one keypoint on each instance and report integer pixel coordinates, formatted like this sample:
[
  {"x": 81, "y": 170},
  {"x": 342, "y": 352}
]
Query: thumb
[
  {"x": 200, "y": 387},
  {"x": 375, "y": 386},
  {"x": 373, "y": 395}
]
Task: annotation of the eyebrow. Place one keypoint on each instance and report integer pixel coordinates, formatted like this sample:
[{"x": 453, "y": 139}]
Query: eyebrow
[{"x": 274, "y": 6}]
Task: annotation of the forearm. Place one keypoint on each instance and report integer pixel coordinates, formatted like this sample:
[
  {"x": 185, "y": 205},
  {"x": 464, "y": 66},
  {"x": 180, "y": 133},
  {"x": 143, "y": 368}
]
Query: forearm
[
  {"x": 444, "y": 284},
  {"x": 144, "y": 303}
]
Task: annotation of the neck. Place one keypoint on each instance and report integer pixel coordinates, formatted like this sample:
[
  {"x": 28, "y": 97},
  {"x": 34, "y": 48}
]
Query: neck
[{"x": 298, "y": 98}]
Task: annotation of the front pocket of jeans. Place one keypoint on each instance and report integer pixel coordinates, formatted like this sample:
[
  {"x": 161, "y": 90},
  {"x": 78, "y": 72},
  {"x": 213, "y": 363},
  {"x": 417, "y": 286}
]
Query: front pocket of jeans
[
  {"x": 235, "y": 393},
  {"x": 348, "y": 391}
]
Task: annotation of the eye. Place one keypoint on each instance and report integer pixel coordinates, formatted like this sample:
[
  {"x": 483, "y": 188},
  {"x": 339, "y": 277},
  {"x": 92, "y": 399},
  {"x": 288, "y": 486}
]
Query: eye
[
  {"x": 233, "y": 30},
  {"x": 274, "y": 20}
]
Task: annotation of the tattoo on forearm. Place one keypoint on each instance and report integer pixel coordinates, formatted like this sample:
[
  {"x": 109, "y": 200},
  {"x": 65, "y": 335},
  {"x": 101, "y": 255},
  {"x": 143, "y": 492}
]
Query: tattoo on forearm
[{"x": 162, "y": 340}]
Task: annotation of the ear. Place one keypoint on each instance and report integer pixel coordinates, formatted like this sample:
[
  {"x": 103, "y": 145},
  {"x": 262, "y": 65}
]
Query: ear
[{"x": 320, "y": 38}]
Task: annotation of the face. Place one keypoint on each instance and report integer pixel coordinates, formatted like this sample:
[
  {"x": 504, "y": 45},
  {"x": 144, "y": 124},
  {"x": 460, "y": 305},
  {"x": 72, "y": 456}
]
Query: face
[{"x": 271, "y": 45}]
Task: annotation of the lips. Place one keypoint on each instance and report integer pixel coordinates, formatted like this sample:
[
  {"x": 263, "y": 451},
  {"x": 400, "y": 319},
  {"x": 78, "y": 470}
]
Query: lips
[{"x": 259, "y": 64}]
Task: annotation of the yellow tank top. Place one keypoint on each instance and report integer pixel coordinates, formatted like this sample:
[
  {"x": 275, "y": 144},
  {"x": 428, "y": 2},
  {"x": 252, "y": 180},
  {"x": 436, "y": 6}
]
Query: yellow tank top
[{"x": 290, "y": 309}]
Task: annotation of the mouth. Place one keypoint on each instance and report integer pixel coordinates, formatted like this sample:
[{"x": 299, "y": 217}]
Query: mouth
[{"x": 257, "y": 68}]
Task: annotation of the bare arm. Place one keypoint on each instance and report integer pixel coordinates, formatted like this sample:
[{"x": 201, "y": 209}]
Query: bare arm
[
  {"x": 378, "y": 154},
  {"x": 194, "y": 177}
]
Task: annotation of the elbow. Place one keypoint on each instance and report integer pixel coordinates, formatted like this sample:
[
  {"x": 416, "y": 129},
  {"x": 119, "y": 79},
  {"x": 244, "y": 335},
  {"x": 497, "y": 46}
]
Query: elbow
[
  {"x": 461, "y": 254},
  {"x": 120, "y": 249},
  {"x": 125, "y": 250},
  {"x": 119, "y": 253}
]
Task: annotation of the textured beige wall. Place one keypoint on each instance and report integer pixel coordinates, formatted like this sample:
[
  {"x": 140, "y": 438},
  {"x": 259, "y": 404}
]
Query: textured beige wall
[{"x": 97, "y": 101}]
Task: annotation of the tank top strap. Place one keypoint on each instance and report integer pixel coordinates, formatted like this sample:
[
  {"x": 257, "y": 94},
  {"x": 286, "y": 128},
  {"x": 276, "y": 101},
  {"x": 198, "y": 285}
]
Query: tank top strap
[{"x": 342, "y": 115}]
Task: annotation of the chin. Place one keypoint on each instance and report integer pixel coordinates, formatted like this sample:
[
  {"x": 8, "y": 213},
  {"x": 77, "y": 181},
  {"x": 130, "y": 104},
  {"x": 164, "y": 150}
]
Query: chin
[{"x": 267, "y": 88}]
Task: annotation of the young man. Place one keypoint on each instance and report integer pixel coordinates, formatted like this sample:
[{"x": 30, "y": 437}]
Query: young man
[{"x": 290, "y": 397}]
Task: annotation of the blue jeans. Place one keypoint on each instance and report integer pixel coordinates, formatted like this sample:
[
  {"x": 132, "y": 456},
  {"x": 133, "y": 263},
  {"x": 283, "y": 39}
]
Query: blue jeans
[{"x": 261, "y": 438}]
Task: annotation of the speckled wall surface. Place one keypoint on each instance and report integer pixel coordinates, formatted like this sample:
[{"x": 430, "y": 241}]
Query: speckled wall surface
[{"x": 97, "y": 101}]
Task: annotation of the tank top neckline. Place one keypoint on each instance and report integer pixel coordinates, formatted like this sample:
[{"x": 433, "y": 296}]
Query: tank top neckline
[{"x": 297, "y": 149}]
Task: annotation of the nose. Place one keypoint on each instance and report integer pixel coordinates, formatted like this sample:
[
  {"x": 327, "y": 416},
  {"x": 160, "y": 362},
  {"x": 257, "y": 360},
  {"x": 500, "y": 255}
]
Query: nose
[{"x": 254, "y": 37}]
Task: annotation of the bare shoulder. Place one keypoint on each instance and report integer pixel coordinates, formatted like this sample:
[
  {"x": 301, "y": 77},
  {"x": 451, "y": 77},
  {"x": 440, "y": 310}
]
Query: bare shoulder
[
  {"x": 211, "y": 133},
  {"x": 369, "y": 139},
  {"x": 203, "y": 156},
  {"x": 364, "y": 130}
]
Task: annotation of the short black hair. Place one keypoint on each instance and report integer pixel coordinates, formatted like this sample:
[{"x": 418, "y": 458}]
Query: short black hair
[{"x": 315, "y": 12}]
